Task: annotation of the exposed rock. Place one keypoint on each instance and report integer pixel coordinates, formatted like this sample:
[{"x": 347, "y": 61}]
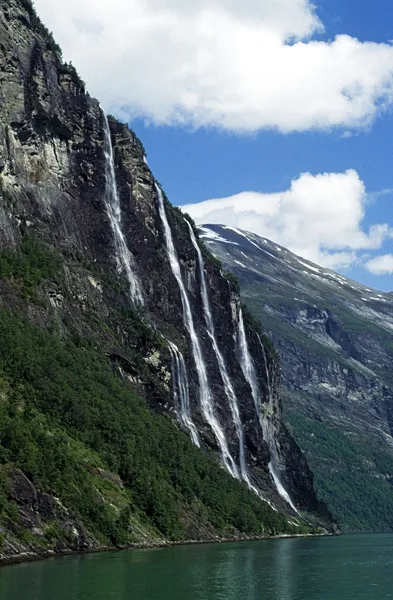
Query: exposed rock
[
  {"x": 23, "y": 491},
  {"x": 54, "y": 186},
  {"x": 334, "y": 339}
]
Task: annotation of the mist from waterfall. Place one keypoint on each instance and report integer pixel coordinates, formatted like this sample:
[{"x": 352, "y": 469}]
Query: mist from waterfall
[
  {"x": 265, "y": 416},
  {"x": 124, "y": 258},
  {"x": 181, "y": 392},
  {"x": 205, "y": 395}
]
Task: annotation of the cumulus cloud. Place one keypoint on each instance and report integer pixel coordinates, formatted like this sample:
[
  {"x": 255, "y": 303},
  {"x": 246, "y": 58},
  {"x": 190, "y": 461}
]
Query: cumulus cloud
[
  {"x": 320, "y": 217},
  {"x": 241, "y": 66},
  {"x": 380, "y": 265}
]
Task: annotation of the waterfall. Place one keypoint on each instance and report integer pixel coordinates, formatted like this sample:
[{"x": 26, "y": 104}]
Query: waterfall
[
  {"x": 229, "y": 391},
  {"x": 181, "y": 392},
  {"x": 269, "y": 433},
  {"x": 265, "y": 419},
  {"x": 247, "y": 365},
  {"x": 205, "y": 394},
  {"x": 268, "y": 378},
  {"x": 280, "y": 488},
  {"x": 124, "y": 258}
]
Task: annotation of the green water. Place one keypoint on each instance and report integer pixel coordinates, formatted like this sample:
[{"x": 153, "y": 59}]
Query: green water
[{"x": 345, "y": 568}]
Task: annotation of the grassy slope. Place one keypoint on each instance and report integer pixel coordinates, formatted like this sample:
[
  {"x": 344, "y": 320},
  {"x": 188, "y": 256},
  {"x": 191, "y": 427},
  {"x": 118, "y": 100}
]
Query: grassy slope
[
  {"x": 64, "y": 415},
  {"x": 347, "y": 470},
  {"x": 345, "y": 474}
]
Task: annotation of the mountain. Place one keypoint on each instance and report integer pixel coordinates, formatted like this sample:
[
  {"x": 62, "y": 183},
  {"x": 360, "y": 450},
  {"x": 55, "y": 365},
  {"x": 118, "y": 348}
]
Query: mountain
[
  {"x": 132, "y": 409},
  {"x": 334, "y": 338}
]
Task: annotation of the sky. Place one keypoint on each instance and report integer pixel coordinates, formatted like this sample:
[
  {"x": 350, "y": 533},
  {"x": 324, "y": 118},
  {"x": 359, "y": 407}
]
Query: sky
[{"x": 273, "y": 116}]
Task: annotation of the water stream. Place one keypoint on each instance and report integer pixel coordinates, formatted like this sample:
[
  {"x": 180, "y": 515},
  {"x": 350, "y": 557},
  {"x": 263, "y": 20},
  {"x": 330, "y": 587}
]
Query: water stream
[
  {"x": 265, "y": 419},
  {"x": 270, "y": 433},
  {"x": 124, "y": 258},
  {"x": 228, "y": 387},
  {"x": 205, "y": 395},
  {"x": 181, "y": 392}
]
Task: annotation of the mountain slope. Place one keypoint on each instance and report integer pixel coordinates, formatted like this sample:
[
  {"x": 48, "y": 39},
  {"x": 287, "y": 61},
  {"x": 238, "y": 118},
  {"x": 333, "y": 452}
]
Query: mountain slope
[
  {"x": 334, "y": 338},
  {"x": 110, "y": 350}
]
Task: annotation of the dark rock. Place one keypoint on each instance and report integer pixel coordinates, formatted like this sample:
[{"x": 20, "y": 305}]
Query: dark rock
[
  {"x": 23, "y": 491},
  {"x": 52, "y": 151},
  {"x": 333, "y": 336}
]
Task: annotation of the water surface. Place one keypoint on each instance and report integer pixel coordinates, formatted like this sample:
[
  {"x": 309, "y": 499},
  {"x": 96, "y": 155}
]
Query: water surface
[{"x": 345, "y": 568}]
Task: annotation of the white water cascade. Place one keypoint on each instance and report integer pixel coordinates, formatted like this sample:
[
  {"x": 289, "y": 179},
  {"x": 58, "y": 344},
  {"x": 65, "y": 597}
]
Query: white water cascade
[
  {"x": 265, "y": 419},
  {"x": 228, "y": 387},
  {"x": 181, "y": 392},
  {"x": 205, "y": 395},
  {"x": 124, "y": 258},
  {"x": 269, "y": 433}
]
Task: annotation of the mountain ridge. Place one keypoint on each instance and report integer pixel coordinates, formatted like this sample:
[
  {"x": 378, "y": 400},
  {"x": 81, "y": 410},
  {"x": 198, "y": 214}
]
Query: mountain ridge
[
  {"x": 333, "y": 336},
  {"x": 98, "y": 353}
]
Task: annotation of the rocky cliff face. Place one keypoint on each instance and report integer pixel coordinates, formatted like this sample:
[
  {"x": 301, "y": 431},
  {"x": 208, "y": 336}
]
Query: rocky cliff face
[
  {"x": 334, "y": 338},
  {"x": 55, "y": 189}
]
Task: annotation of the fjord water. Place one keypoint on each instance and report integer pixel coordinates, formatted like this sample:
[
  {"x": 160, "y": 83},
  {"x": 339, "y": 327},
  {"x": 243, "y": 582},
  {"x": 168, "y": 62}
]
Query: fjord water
[{"x": 358, "y": 567}]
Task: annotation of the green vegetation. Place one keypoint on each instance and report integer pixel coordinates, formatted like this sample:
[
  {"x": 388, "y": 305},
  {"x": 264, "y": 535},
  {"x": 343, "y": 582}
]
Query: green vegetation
[
  {"x": 259, "y": 295},
  {"x": 40, "y": 28},
  {"x": 50, "y": 43},
  {"x": 64, "y": 415},
  {"x": 67, "y": 68},
  {"x": 28, "y": 265},
  {"x": 63, "y": 412},
  {"x": 255, "y": 324},
  {"x": 70, "y": 424},
  {"x": 116, "y": 125},
  {"x": 274, "y": 322},
  {"x": 348, "y": 474},
  {"x": 233, "y": 279},
  {"x": 208, "y": 257},
  {"x": 353, "y": 474}
]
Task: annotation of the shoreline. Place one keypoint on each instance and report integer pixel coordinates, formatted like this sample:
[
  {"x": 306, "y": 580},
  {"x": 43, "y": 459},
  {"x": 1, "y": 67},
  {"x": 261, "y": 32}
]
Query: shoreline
[{"x": 29, "y": 557}]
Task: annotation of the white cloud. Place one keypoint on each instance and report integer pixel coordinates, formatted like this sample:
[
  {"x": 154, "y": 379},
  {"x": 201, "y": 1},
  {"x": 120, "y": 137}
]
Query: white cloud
[
  {"x": 320, "y": 217},
  {"x": 381, "y": 265},
  {"x": 240, "y": 65}
]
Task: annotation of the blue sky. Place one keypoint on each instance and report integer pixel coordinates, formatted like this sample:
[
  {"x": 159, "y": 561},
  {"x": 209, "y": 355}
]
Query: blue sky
[
  {"x": 197, "y": 165},
  {"x": 180, "y": 88}
]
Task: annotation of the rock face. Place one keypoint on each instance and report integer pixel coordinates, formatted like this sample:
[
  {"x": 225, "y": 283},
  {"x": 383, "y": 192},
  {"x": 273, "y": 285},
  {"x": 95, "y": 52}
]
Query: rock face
[
  {"x": 54, "y": 188},
  {"x": 334, "y": 338}
]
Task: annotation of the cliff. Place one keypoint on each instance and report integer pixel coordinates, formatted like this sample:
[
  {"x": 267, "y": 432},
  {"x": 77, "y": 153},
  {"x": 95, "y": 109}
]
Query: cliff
[
  {"x": 102, "y": 364},
  {"x": 333, "y": 336}
]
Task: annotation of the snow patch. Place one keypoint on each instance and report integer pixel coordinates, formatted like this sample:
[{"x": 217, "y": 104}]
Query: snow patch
[
  {"x": 242, "y": 235},
  {"x": 309, "y": 267},
  {"x": 245, "y": 256},
  {"x": 240, "y": 263},
  {"x": 209, "y": 234}
]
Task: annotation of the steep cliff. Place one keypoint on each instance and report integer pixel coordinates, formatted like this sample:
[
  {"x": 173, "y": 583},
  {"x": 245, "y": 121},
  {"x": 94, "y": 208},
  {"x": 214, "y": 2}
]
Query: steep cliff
[
  {"x": 107, "y": 347},
  {"x": 334, "y": 338}
]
